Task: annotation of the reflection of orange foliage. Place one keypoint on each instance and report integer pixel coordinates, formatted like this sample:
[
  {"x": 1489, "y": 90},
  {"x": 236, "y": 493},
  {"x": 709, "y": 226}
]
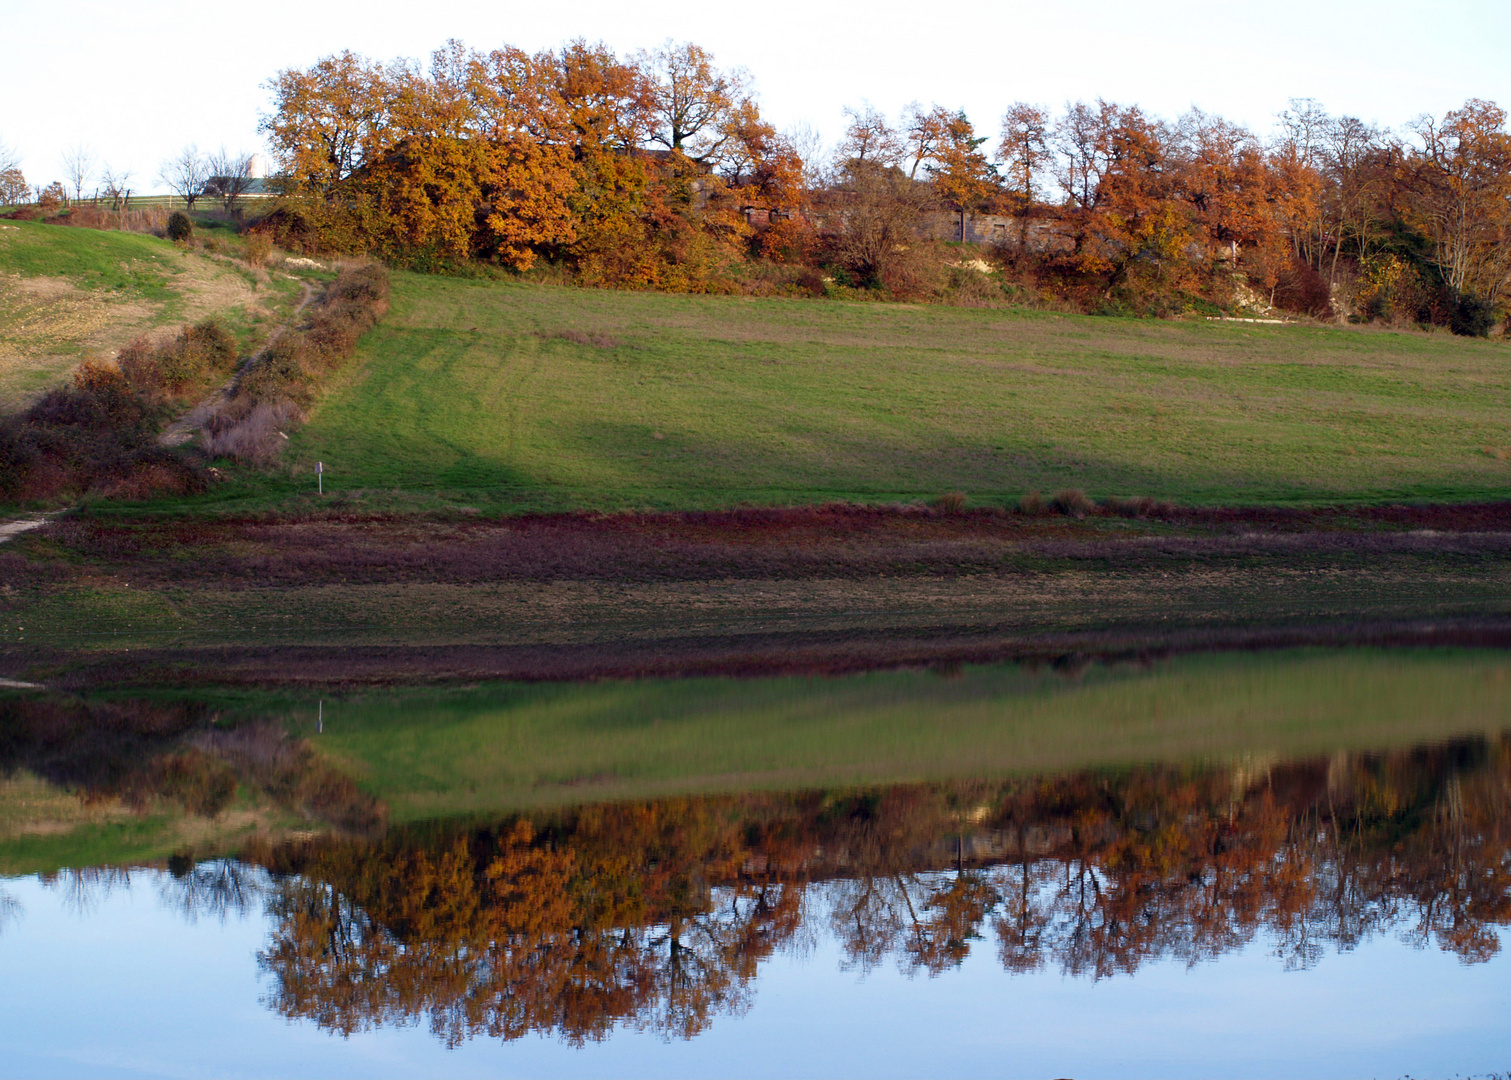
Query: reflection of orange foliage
[{"x": 659, "y": 914}]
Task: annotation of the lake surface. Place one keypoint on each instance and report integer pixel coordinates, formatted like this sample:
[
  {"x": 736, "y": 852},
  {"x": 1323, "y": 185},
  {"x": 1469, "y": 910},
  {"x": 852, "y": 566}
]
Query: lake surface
[{"x": 197, "y": 890}]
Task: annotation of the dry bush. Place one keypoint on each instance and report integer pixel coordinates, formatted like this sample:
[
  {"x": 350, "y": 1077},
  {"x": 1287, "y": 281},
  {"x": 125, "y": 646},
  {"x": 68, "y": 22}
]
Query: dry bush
[
  {"x": 250, "y": 431},
  {"x": 153, "y": 472},
  {"x": 259, "y": 245},
  {"x": 1072, "y": 502},
  {"x": 969, "y": 287},
  {"x": 153, "y": 219},
  {"x": 1033, "y": 504},
  {"x": 137, "y": 361},
  {"x": 203, "y": 784},
  {"x": 295, "y": 775},
  {"x": 952, "y": 502},
  {"x": 281, "y": 372},
  {"x": 1301, "y": 289},
  {"x": 180, "y": 365},
  {"x": 99, "y": 434},
  {"x": 287, "y": 374}
]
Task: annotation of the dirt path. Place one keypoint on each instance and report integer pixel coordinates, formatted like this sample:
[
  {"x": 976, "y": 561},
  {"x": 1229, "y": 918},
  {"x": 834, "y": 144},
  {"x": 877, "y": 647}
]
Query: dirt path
[
  {"x": 183, "y": 429},
  {"x": 11, "y": 529}
]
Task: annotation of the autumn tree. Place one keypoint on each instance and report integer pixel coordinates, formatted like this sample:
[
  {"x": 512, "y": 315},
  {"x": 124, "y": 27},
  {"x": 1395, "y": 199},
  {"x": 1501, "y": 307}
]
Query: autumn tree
[
  {"x": 328, "y": 120},
  {"x": 693, "y": 105},
  {"x": 1354, "y": 194},
  {"x": 1025, "y": 153},
  {"x": 924, "y": 135},
  {"x": 960, "y": 172},
  {"x": 1123, "y": 192},
  {"x": 1462, "y": 196},
  {"x": 13, "y": 186},
  {"x": 869, "y": 139},
  {"x": 1226, "y": 179}
]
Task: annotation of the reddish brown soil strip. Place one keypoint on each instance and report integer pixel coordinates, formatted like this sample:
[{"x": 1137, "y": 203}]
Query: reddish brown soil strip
[
  {"x": 824, "y": 541},
  {"x": 742, "y": 655}
]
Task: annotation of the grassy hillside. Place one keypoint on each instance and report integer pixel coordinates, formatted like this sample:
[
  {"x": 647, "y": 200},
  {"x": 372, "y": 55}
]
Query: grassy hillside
[
  {"x": 435, "y": 753},
  {"x": 67, "y": 293},
  {"x": 540, "y": 397}
]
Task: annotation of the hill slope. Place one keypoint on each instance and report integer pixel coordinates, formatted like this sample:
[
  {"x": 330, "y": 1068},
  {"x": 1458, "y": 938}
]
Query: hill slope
[
  {"x": 550, "y": 398},
  {"x": 67, "y": 293}
]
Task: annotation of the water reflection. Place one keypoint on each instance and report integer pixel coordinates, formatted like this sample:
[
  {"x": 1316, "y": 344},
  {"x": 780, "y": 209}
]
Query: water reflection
[{"x": 659, "y": 915}]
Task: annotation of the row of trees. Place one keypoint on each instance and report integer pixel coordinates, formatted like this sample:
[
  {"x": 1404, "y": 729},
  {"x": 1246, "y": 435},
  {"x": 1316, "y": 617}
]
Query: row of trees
[
  {"x": 222, "y": 175},
  {"x": 1108, "y": 196},
  {"x": 658, "y": 170}
]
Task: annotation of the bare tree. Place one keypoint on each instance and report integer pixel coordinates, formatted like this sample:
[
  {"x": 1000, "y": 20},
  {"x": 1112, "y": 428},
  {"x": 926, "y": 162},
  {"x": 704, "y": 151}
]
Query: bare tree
[
  {"x": 880, "y": 211},
  {"x": 185, "y": 174},
  {"x": 1305, "y": 124},
  {"x": 230, "y": 177},
  {"x": 117, "y": 184},
  {"x": 811, "y": 148},
  {"x": 10, "y": 157},
  {"x": 78, "y": 168}
]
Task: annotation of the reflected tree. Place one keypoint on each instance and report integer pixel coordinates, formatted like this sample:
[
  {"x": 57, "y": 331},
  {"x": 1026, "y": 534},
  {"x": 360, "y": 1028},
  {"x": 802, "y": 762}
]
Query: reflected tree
[{"x": 660, "y": 915}]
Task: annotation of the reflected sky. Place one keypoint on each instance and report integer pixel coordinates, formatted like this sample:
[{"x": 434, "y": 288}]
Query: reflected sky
[{"x": 127, "y": 986}]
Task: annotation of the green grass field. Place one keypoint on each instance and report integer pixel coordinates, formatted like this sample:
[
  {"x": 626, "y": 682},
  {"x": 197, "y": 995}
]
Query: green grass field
[
  {"x": 524, "y": 396},
  {"x": 491, "y": 748}
]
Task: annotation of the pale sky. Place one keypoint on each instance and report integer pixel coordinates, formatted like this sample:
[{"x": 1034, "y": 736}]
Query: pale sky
[{"x": 136, "y": 81}]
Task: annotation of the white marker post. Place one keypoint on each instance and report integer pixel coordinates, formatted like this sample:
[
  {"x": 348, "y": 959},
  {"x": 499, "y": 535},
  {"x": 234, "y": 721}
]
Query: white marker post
[{"x": 320, "y": 476}]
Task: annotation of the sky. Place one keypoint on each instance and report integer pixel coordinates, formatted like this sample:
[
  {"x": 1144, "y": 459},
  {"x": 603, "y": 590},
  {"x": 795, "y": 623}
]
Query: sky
[{"x": 136, "y": 82}]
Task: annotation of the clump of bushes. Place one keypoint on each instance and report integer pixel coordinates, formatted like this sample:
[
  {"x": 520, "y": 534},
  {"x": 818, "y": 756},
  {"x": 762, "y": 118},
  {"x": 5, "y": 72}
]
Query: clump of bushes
[
  {"x": 1073, "y": 502},
  {"x": 98, "y": 435},
  {"x": 270, "y": 395},
  {"x": 180, "y": 366}
]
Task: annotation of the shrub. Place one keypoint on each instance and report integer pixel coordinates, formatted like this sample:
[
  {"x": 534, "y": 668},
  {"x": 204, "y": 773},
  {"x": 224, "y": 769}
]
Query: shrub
[
  {"x": 250, "y": 431},
  {"x": 1033, "y": 504},
  {"x": 180, "y": 365},
  {"x": 270, "y": 390},
  {"x": 180, "y": 229},
  {"x": 258, "y": 247},
  {"x": 1072, "y": 502},
  {"x": 98, "y": 435},
  {"x": 952, "y": 502},
  {"x": 1302, "y": 289},
  {"x": 1472, "y": 316}
]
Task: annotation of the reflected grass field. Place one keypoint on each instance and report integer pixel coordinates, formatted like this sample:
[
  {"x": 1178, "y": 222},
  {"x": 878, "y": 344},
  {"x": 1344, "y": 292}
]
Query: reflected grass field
[{"x": 432, "y": 754}]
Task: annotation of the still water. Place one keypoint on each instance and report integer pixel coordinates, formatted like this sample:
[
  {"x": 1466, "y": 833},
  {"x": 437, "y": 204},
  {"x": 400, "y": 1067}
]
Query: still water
[{"x": 1249, "y": 913}]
